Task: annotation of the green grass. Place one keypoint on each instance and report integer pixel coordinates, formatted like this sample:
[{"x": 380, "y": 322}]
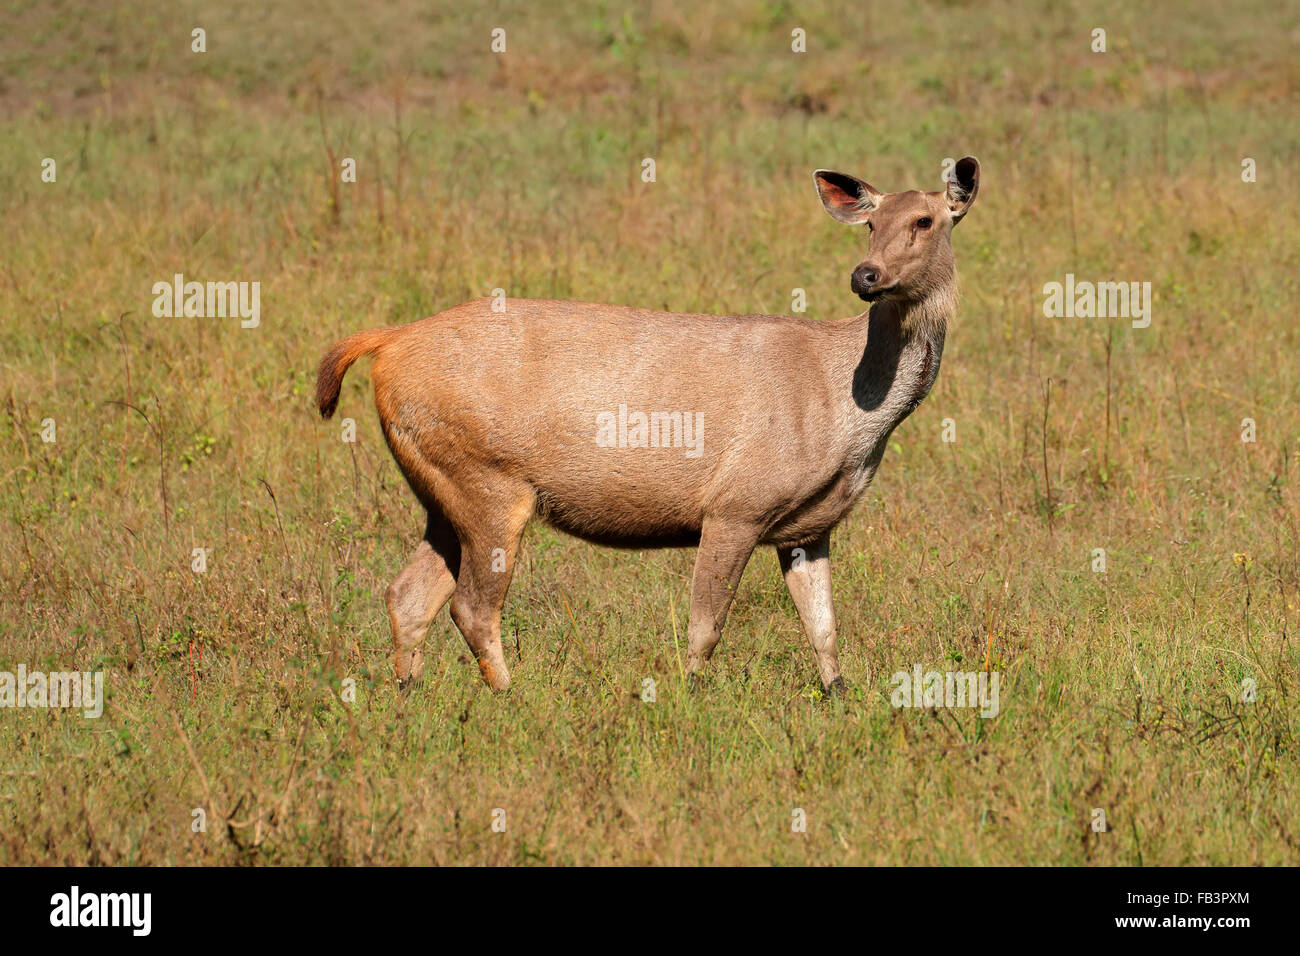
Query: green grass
[{"x": 1120, "y": 691}]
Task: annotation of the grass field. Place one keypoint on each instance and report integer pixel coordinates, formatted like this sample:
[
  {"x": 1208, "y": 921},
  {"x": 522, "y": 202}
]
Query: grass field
[{"x": 1120, "y": 691}]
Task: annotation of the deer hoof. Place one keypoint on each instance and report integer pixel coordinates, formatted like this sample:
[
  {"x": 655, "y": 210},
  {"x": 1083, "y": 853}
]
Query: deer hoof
[
  {"x": 406, "y": 684},
  {"x": 839, "y": 687},
  {"x": 494, "y": 674}
]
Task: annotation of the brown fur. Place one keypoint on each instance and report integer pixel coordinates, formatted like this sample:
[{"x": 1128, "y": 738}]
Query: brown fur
[
  {"x": 493, "y": 418},
  {"x": 339, "y": 359}
]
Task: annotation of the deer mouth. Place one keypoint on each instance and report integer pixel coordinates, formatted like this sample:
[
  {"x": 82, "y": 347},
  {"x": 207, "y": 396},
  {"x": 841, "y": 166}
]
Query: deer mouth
[{"x": 875, "y": 295}]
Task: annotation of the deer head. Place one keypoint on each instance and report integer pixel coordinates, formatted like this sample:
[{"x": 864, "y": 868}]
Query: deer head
[{"x": 909, "y": 255}]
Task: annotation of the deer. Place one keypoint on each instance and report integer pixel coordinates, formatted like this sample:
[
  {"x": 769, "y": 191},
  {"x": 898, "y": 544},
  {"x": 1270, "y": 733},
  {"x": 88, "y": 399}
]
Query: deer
[{"x": 637, "y": 429}]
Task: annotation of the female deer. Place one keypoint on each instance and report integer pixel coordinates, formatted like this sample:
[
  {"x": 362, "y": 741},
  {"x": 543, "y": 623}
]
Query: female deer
[{"x": 578, "y": 414}]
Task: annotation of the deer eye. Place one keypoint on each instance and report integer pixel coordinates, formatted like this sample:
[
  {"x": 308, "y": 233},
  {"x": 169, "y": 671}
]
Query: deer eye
[
  {"x": 870, "y": 227},
  {"x": 925, "y": 222}
]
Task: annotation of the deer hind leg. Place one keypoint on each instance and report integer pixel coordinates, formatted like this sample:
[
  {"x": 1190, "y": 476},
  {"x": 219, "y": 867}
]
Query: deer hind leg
[
  {"x": 487, "y": 565},
  {"x": 807, "y": 572},
  {"x": 417, "y": 595},
  {"x": 724, "y": 551}
]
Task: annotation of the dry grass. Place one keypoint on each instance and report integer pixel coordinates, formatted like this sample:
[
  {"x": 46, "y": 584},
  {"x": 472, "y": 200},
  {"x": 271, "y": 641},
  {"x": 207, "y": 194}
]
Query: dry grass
[{"x": 1119, "y": 691}]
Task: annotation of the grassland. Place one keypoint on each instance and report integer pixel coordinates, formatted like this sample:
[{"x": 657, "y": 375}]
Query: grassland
[{"x": 1119, "y": 690}]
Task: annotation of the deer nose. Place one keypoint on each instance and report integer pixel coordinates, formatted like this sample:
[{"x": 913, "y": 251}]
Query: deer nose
[{"x": 864, "y": 278}]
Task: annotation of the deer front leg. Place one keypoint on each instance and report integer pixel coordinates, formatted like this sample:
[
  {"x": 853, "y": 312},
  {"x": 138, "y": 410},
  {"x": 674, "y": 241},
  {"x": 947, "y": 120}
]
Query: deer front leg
[
  {"x": 724, "y": 550},
  {"x": 807, "y": 572}
]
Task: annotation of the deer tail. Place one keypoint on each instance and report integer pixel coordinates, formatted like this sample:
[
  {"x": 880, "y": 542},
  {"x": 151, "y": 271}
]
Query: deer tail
[{"x": 337, "y": 361}]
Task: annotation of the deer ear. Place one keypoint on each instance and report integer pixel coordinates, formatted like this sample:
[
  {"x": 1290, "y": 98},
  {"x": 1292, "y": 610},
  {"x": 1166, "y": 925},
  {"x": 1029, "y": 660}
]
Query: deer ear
[
  {"x": 963, "y": 184},
  {"x": 845, "y": 197}
]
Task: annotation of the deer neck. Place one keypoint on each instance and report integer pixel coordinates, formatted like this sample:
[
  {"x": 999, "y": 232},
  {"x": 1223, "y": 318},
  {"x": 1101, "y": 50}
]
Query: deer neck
[{"x": 896, "y": 351}]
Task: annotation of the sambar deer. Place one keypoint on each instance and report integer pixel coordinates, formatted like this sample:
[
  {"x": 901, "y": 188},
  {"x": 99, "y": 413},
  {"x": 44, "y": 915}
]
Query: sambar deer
[{"x": 744, "y": 430}]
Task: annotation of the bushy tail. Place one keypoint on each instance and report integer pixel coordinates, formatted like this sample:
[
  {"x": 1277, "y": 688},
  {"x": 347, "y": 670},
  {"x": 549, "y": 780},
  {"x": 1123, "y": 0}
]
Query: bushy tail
[{"x": 337, "y": 361}]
